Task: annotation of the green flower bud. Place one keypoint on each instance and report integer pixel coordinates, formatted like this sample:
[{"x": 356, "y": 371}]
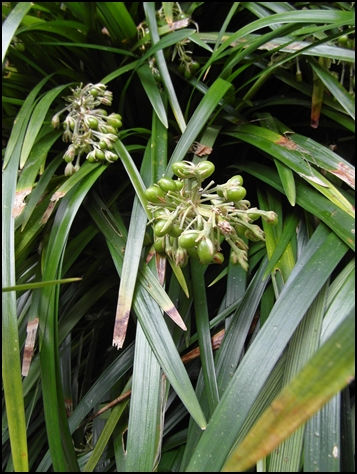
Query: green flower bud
[
  {"x": 161, "y": 228},
  {"x": 111, "y": 157},
  {"x": 236, "y": 180},
  {"x": 115, "y": 120},
  {"x": 192, "y": 252},
  {"x": 147, "y": 239},
  {"x": 55, "y": 122},
  {"x": 254, "y": 233},
  {"x": 167, "y": 184},
  {"x": 205, "y": 169},
  {"x": 91, "y": 157},
  {"x": 159, "y": 244},
  {"x": 94, "y": 92},
  {"x": 155, "y": 194},
  {"x": 101, "y": 112},
  {"x": 205, "y": 250},
  {"x": 184, "y": 169},
  {"x": 99, "y": 154},
  {"x": 188, "y": 239},
  {"x": 271, "y": 217},
  {"x": 70, "y": 154},
  {"x": 91, "y": 122},
  {"x": 178, "y": 184},
  {"x": 236, "y": 193},
  {"x": 175, "y": 230}
]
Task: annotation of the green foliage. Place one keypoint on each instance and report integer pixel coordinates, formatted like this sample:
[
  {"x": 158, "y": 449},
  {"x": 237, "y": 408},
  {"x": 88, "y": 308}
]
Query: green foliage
[{"x": 218, "y": 367}]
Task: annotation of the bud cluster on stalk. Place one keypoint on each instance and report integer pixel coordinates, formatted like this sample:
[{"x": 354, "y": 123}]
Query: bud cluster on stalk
[
  {"x": 167, "y": 24},
  {"x": 192, "y": 221},
  {"x": 91, "y": 131}
]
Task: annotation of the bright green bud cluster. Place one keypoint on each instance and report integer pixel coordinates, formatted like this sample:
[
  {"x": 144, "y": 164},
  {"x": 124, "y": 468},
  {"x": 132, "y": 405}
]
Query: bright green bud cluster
[
  {"x": 191, "y": 221},
  {"x": 90, "y": 129}
]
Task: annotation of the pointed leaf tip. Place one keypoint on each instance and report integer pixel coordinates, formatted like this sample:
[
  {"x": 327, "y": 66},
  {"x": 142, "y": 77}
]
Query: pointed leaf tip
[{"x": 175, "y": 316}]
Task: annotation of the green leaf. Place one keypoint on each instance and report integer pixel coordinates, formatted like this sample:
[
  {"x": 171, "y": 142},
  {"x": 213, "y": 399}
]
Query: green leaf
[
  {"x": 132, "y": 171},
  {"x": 36, "y": 121},
  {"x": 118, "y": 20},
  {"x": 132, "y": 256},
  {"x": 72, "y": 30},
  {"x": 204, "y": 335},
  {"x": 295, "y": 157},
  {"x": 198, "y": 120},
  {"x": 312, "y": 201},
  {"x": 320, "y": 257},
  {"x": 161, "y": 343},
  {"x": 105, "y": 435},
  {"x": 302, "y": 346},
  {"x": 329, "y": 370},
  {"x": 145, "y": 276},
  {"x": 10, "y": 341},
  {"x": 232, "y": 346},
  {"x": 293, "y": 17},
  {"x": 20, "y": 124},
  {"x": 31, "y": 286},
  {"x": 11, "y": 23},
  {"x": 158, "y": 149},
  {"x": 149, "y": 8},
  {"x": 336, "y": 89},
  {"x": 145, "y": 416},
  {"x": 180, "y": 277},
  {"x": 327, "y": 159},
  {"x": 152, "y": 321},
  {"x": 60, "y": 441},
  {"x": 152, "y": 91},
  {"x": 27, "y": 179},
  {"x": 287, "y": 180},
  {"x": 290, "y": 226}
]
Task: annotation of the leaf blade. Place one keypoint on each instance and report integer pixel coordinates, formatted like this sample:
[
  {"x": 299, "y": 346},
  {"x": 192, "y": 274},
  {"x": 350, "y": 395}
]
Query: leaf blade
[{"x": 325, "y": 374}]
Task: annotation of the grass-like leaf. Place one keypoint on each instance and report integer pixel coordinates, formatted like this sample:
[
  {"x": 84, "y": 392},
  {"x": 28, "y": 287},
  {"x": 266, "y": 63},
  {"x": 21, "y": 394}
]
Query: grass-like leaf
[
  {"x": 334, "y": 87},
  {"x": 180, "y": 74},
  {"x": 312, "y": 201},
  {"x": 11, "y": 24},
  {"x": 147, "y": 394},
  {"x": 301, "y": 398},
  {"x": 266, "y": 350},
  {"x": 152, "y": 92}
]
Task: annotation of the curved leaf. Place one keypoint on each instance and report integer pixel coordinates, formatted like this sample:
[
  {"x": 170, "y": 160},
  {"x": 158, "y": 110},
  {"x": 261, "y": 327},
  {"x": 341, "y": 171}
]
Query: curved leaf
[
  {"x": 36, "y": 121},
  {"x": 11, "y": 23},
  {"x": 60, "y": 441},
  {"x": 329, "y": 370},
  {"x": 312, "y": 201},
  {"x": 320, "y": 256},
  {"x": 198, "y": 120},
  {"x": 152, "y": 91},
  {"x": 336, "y": 89},
  {"x": 295, "y": 157},
  {"x": 145, "y": 416}
]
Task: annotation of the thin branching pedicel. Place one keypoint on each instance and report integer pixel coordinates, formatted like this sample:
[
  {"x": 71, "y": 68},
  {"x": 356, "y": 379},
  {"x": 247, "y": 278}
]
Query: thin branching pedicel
[
  {"x": 191, "y": 221},
  {"x": 90, "y": 130}
]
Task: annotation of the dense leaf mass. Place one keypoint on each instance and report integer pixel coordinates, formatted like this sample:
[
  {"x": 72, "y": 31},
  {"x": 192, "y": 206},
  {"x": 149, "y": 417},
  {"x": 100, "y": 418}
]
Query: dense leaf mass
[{"x": 133, "y": 135}]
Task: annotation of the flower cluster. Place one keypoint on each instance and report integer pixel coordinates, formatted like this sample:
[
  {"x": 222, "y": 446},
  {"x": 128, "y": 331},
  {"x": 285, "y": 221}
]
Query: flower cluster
[
  {"x": 167, "y": 24},
  {"x": 189, "y": 220},
  {"x": 90, "y": 130}
]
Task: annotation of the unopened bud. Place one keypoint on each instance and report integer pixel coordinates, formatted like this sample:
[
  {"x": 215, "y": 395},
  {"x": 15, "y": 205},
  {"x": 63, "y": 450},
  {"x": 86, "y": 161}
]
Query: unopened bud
[{"x": 55, "y": 121}]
